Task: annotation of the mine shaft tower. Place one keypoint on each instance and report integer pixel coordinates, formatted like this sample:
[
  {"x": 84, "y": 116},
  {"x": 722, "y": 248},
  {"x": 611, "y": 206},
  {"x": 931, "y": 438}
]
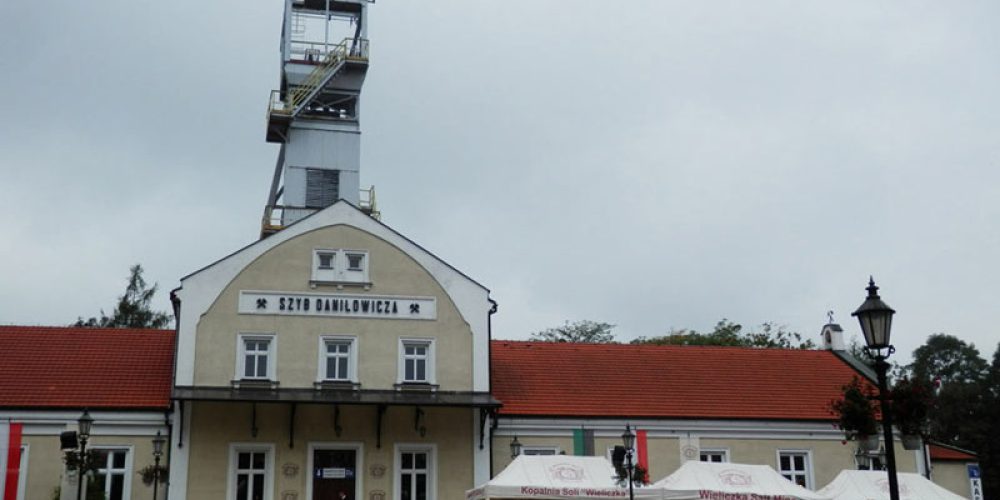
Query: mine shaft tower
[{"x": 315, "y": 113}]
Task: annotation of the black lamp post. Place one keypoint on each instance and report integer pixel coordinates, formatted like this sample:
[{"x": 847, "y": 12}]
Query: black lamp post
[
  {"x": 158, "y": 442},
  {"x": 628, "y": 439},
  {"x": 876, "y": 323},
  {"x": 515, "y": 448},
  {"x": 83, "y": 433}
]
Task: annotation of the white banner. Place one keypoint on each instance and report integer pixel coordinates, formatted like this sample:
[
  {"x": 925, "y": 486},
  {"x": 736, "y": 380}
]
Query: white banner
[{"x": 337, "y": 305}]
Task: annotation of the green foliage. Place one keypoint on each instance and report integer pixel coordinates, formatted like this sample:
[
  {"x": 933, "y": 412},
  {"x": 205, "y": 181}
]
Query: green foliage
[
  {"x": 967, "y": 403},
  {"x": 855, "y": 410},
  {"x": 151, "y": 472},
  {"x": 912, "y": 400},
  {"x": 585, "y": 331},
  {"x": 727, "y": 333},
  {"x": 133, "y": 309},
  {"x": 948, "y": 359}
]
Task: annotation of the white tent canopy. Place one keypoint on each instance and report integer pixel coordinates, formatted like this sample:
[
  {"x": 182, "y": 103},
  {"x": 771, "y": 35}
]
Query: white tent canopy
[
  {"x": 729, "y": 481},
  {"x": 557, "y": 477},
  {"x": 874, "y": 485}
]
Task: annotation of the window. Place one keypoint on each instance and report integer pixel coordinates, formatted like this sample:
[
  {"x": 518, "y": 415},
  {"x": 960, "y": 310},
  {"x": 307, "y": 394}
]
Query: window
[
  {"x": 249, "y": 472},
  {"x": 111, "y": 475},
  {"x": 337, "y": 359},
  {"x": 712, "y": 455},
  {"x": 322, "y": 187},
  {"x": 415, "y": 473},
  {"x": 325, "y": 260},
  {"x": 416, "y": 361},
  {"x": 22, "y": 479},
  {"x": 794, "y": 465},
  {"x": 256, "y": 357},
  {"x": 340, "y": 266},
  {"x": 355, "y": 262}
]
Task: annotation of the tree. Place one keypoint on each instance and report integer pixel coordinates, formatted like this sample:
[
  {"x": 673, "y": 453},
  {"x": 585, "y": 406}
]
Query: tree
[
  {"x": 965, "y": 407},
  {"x": 584, "y": 331},
  {"x": 948, "y": 359},
  {"x": 133, "y": 308},
  {"x": 727, "y": 333}
]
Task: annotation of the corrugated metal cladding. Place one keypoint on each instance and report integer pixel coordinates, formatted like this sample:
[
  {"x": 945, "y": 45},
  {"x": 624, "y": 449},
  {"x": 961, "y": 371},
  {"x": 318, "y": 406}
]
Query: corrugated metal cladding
[{"x": 322, "y": 187}]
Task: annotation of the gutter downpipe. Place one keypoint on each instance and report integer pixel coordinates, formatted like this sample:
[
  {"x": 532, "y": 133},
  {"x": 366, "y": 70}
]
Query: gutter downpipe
[
  {"x": 489, "y": 353},
  {"x": 175, "y": 301}
]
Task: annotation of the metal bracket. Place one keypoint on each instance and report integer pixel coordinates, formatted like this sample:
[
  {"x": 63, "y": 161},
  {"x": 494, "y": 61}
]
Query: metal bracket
[
  {"x": 484, "y": 414},
  {"x": 380, "y": 412},
  {"x": 417, "y": 418},
  {"x": 253, "y": 419},
  {"x": 180, "y": 424},
  {"x": 291, "y": 426}
]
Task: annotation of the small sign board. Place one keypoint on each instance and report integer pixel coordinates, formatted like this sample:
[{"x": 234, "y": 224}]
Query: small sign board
[
  {"x": 334, "y": 473},
  {"x": 975, "y": 481}
]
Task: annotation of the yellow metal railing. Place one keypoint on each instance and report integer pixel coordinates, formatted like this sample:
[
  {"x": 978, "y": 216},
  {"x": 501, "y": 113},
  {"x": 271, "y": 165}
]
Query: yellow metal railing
[
  {"x": 274, "y": 215},
  {"x": 345, "y": 50},
  {"x": 367, "y": 203}
]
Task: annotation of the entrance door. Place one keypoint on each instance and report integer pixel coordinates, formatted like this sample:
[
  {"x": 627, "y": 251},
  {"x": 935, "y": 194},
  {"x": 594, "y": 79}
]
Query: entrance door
[{"x": 334, "y": 474}]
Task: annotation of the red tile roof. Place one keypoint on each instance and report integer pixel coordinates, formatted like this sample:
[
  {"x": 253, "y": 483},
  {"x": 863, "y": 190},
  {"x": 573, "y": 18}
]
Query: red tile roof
[
  {"x": 69, "y": 367},
  {"x": 940, "y": 452},
  {"x": 623, "y": 380}
]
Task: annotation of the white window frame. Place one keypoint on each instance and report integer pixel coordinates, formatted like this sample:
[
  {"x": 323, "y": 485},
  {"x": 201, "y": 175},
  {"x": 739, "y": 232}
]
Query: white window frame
[
  {"x": 272, "y": 355},
  {"x": 352, "y": 358},
  {"x": 318, "y": 261},
  {"x": 126, "y": 472},
  {"x": 432, "y": 481},
  {"x": 809, "y": 464},
  {"x": 22, "y": 476},
  {"x": 527, "y": 450},
  {"x": 340, "y": 271},
  {"x": 430, "y": 369},
  {"x": 716, "y": 451},
  {"x": 234, "y": 450},
  {"x": 359, "y": 473}
]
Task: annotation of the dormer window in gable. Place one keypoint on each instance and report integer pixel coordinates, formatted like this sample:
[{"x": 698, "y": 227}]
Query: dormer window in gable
[{"x": 340, "y": 266}]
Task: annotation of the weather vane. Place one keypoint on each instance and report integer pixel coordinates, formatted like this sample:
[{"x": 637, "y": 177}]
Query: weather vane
[{"x": 829, "y": 317}]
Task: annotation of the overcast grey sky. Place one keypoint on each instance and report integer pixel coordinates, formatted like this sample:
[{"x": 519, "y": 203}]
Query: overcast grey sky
[{"x": 649, "y": 163}]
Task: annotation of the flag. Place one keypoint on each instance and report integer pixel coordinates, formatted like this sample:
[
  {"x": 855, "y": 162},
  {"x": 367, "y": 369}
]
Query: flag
[
  {"x": 642, "y": 452},
  {"x": 10, "y": 459},
  {"x": 583, "y": 442}
]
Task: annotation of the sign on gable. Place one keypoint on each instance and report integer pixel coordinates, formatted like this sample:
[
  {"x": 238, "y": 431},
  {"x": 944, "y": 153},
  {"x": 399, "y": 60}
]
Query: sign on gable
[{"x": 337, "y": 305}]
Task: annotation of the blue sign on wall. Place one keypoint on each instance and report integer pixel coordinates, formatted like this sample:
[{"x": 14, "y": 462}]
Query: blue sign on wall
[{"x": 974, "y": 471}]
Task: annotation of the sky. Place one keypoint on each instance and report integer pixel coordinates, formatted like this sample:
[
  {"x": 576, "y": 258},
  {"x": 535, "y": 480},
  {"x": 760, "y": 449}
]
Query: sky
[{"x": 652, "y": 164}]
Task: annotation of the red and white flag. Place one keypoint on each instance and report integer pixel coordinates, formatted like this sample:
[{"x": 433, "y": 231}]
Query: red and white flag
[{"x": 10, "y": 459}]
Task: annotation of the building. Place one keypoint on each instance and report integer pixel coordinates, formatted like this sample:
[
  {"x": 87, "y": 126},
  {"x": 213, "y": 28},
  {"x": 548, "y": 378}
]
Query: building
[
  {"x": 50, "y": 375},
  {"x": 720, "y": 404},
  {"x": 956, "y": 469},
  {"x": 334, "y": 356},
  {"x": 334, "y": 399}
]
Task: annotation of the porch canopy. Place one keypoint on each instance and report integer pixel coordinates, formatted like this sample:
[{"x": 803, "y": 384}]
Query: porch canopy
[
  {"x": 557, "y": 477},
  {"x": 729, "y": 481},
  {"x": 874, "y": 485}
]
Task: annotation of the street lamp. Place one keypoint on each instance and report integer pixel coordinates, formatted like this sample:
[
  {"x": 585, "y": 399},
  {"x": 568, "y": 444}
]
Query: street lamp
[
  {"x": 158, "y": 442},
  {"x": 628, "y": 439},
  {"x": 515, "y": 447},
  {"x": 876, "y": 325},
  {"x": 83, "y": 432}
]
